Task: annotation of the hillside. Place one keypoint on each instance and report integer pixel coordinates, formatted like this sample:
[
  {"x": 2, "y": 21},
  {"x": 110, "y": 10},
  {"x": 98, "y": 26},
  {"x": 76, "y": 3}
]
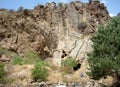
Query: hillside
[{"x": 52, "y": 31}]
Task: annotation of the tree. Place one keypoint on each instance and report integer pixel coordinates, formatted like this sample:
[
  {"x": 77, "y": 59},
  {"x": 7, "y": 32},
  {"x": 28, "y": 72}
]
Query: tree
[
  {"x": 118, "y": 14},
  {"x": 105, "y": 58},
  {"x": 60, "y": 4},
  {"x": 20, "y": 9}
]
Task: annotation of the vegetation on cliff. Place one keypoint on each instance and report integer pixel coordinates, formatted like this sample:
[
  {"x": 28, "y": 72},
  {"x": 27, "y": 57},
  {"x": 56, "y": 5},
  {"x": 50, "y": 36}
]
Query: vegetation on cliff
[
  {"x": 105, "y": 58},
  {"x": 49, "y": 33},
  {"x": 68, "y": 64},
  {"x": 39, "y": 72},
  {"x": 2, "y": 73}
]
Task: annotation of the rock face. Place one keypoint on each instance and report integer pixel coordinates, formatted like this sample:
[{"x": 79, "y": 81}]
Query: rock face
[{"x": 56, "y": 31}]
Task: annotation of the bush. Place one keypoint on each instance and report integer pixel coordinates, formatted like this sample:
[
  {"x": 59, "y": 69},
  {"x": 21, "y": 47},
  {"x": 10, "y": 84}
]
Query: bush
[
  {"x": 68, "y": 64},
  {"x": 60, "y": 4},
  {"x": 31, "y": 58},
  {"x": 26, "y": 12},
  {"x": 39, "y": 72},
  {"x": 105, "y": 58},
  {"x": 2, "y": 73},
  {"x": 20, "y": 9},
  {"x": 4, "y": 51},
  {"x": 17, "y": 60}
]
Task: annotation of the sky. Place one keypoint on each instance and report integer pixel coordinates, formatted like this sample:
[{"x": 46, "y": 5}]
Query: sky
[{"x": 113, "y": 6}]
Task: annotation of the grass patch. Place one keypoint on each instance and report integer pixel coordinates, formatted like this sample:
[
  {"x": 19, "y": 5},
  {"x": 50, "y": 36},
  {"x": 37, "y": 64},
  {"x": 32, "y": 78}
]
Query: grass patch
[
  {"x": 39, "y": 72},
  {"x": 68, "y": 64},
  {"x": 4, "y": 51},
  {"x": 2, "y": 73},
  {"x": 17, "y": 60},
  {"x": 31, "y": 58},
  {"x": 9, "y": 81}
]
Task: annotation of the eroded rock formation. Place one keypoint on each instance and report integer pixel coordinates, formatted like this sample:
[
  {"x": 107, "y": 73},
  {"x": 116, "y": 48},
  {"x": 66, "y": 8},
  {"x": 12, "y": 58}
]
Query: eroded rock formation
[{"x": 56, "y": 31}]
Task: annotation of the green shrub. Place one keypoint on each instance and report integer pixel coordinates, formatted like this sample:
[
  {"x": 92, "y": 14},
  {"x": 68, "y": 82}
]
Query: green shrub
[
  {"x": 20, "y": 9},
  {"x": 17, "y": 60},
  {"x": 105, "y": 58},
  {"x": 39, "y": 72},
  {"x": 60, "y": 4},
  {"x": 26, "y": 12},
  {"x": 68, "y": 64},
  {"x": 31, "y": 58},
  {"x": 4, "y": 51},
  {"x": 2, "y": 73}
]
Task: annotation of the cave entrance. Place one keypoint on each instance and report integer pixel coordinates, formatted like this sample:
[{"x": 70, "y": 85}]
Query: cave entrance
[{"x": 77, "y": 67}]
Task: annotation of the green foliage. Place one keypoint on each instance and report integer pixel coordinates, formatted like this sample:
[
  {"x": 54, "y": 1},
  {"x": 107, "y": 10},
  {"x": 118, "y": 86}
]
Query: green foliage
[
  {"x": 68, "y": 64},
  {"x": 4, "y": 51},
  {"x": 17, "y": 60},
  {"x": 60, "y": 4},
  {"x": 2, "y": 73},
  {"x": 1, "y": 51},
  {"x": 39, "y": 72},
  {"x": 105, "y": 58},
  {"x": 31, "y": 58},
  {"x": 26, "y": 12},
  {"x": 20, "y": 9},
  {"x": 9, "y": 81}
]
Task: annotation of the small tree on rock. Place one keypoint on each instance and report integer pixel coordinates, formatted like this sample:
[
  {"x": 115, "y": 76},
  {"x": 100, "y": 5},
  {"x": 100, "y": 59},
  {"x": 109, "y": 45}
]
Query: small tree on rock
[{"x": 105, "y": 58}]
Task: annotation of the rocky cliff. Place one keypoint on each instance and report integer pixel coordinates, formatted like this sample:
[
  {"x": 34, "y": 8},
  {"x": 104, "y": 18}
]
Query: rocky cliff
[{"x": 53, "y": 30}]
